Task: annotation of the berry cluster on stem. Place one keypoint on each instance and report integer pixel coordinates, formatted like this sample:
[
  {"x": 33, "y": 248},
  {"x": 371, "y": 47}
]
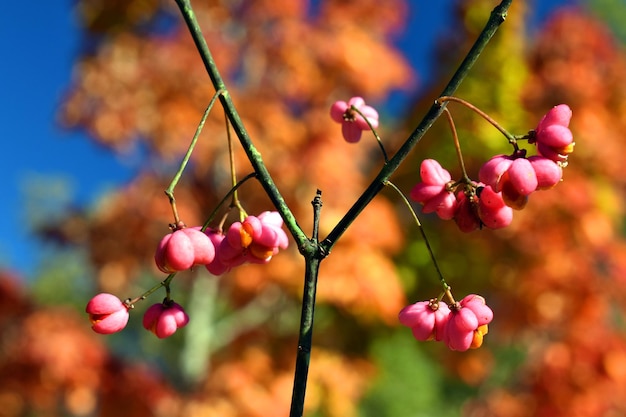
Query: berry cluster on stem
[
  {"x": 472, "y": 204},
  {"x": 505, "y": 183},
  {"x": 254, "y": 239},
  {"x": 461, "y": 325}
]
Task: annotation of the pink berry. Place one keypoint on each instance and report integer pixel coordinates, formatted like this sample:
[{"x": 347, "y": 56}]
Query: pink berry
[
  {"x": 338, "y": 110},
  {"x": 467, "y": 323},
  {"x": 444, "y": 204},
  {"x": 548, "y": 172},
  {"x": 163, "y": 319},
  {"x": 492, "y": 210},
  {"x": 269, "y": 240},
  {"x": 431, "y": 172},
  {"x": 423, "y": 192},
  {"x": 491, "y": 172},
  {"x": 466, "y": 214},
  {"x": 553, "y": 137},
  {"x": 426, "y": 319},
  {"x": 258, "y": 238},
  {"x": 522, "y": 176},
  {"x": 514, "y": 176},
  {"x": 352, "y": 123},
  {"x": 559, "y": 115},
  {"x": 478, "y": 305},
  {"x": 254, "y": 240},
  {"x": 182, "y": 249},
  {"x": 107, "y": 313},
  {"x": 432, "y": 192},
  {"x": 486, "y": 208},
  {"x": 217, "y": 267},
  {"x": 203, "y": 248}
]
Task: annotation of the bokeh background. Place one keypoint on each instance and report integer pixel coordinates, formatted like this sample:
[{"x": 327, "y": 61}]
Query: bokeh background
[{"x": 100, "y": 102}]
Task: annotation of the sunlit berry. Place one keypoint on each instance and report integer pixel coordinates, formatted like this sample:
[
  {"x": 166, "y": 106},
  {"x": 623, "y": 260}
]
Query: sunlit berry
[
  {"x": 182, "y": 249},
  {"x": 466, "y": 213},
  {"x": 163, "y": 319},
  {"x": 268, "y": 237},
  {"x": 549, "y": 173},
  {"x": 218, "y": 266},
  {"x": 426, "y": 319},
  {"x": 352, "y": 123},
  {"x": 492, "y": 210},
  {"x": 491, "y": 171},
  {"x": 485, "y": 207},
  {"x": 553, "y": 137},
  {"x": 432, "y": 192},
  {"x": 467, "y": 323},
  {"x": 107, "y": 313},
  {"x": 256, "y": 240},
  {"x": 514, "y": 176}
]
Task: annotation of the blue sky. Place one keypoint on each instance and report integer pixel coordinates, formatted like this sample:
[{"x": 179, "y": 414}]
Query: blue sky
[{"x": 39, "y": 47}]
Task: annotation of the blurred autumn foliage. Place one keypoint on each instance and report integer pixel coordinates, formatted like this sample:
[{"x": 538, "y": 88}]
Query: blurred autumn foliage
[{"x": 556, "y": 279}]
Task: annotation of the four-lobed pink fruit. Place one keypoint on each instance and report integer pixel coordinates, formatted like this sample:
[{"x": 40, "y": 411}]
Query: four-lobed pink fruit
[
  {"x": 467, "y": 323},
  {"x": 255, "y": 240},
  {"x": 460, "y": 325},
  {"x": 107, "y": 313},
  {"x": 182, "y": 249},
  {"x": 433, "y": 191},
  {"x": 163, "y": 319},
  {"x": 426, "y": 319},
  {"x": 553, "y": 137},
  {"x": 352, "y": 123}
]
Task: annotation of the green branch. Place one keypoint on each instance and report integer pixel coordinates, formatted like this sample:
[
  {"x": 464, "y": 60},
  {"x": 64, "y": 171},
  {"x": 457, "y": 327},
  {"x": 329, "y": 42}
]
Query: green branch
[
  {"x": 253, "y": 154},
  {"x": 305, "y": 338}
]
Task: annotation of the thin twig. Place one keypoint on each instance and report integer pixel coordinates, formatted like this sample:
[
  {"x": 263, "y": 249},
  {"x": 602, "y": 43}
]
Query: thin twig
[
  {"x": 422, "y": 231},
  {"x": 380, "y": 142},
  {"x": 225, "y": 198},
  {"x": 511, "y": 138},
  {"x": 170, "y": 189},
  {"x": 304, "y": 245},
  {"x": 457, "y": 145},
  {"x": 233, "y": 171}
]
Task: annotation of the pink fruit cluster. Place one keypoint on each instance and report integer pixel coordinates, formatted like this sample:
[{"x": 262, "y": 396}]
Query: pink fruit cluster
[
  {"x": 352, "y": 123},
  {"x": 256, "y": 239},
  {"x": 108, "y": 314},
  {"x": 460, "y": 325},
  {"x": 471, "y": 207},
  {"x": 516, "y": 176},
  {"x": 505, "y": 181}
]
